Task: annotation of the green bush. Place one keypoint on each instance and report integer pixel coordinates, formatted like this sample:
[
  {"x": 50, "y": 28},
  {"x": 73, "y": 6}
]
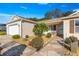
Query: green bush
[
  {"x": 37, "y": 43},
  {"x": 67, "y": 40},
  {"x": 73, "y": 39},
  {"x": 16, "y": 36},
  {"x": 27, "y": 36},
  {"x": 48, "y": 35},
  {"x": 2, "y": 33},
  {"x": 70, "y": 39},
  {"x": 39, "y": 28}
]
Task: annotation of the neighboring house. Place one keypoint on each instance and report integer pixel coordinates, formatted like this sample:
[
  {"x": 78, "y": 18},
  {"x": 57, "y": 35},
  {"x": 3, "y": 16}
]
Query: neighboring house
[
  {"x": 64, "y": 26},
  {"x": 2, "y": 27}
]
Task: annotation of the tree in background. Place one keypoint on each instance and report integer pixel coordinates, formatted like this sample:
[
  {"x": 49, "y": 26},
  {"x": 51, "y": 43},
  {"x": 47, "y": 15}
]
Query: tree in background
[
  {"x": 34, "y": 19},
  {"x": 53, "y": 13},
  {"x": 48, "y": 15},
  {"x": 68, "y": 13},
  {"x": 56, "y": 13}
]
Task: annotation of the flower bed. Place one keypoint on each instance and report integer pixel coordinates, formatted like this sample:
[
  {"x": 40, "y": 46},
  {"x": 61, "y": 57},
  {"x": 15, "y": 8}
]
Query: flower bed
[{"x": 28, "y": 41}]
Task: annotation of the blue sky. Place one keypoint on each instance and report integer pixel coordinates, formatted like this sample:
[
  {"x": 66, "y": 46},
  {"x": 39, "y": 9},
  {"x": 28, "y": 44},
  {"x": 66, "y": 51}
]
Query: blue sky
[{"x": 31, "y": 9}]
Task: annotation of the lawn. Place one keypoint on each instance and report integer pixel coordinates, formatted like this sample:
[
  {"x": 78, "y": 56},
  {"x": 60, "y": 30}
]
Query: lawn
[{"x": 2, "y": 33}]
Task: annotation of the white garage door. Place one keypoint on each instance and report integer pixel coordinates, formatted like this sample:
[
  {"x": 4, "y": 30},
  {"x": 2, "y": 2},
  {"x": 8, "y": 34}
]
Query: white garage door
[{"x": 13, "y": 30}]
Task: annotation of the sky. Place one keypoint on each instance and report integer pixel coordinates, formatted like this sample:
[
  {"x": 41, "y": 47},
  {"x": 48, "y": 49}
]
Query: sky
[{"x": 30, "y": 10}]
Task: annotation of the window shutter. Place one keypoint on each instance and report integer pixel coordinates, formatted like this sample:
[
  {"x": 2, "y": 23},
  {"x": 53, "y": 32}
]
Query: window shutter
[{"x": 71, "y": 26}]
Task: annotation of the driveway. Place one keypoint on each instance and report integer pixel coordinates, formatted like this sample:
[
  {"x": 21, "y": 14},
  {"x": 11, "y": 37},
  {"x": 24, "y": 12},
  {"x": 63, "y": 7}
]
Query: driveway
[
  {"x": 4, "y": 39},
  {"x": 15, "y": 51},
  {"x": 6, "y": 43},
  {"x": 12, "y": 48}
]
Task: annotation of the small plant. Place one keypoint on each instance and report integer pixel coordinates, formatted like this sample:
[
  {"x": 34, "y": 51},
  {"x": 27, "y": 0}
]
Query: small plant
[
  {"x": 16, "y": 36},
  {"x": 37, "y": 43},
  {"x": 48, "y": 35},
  {"x": 70, "y": 39},
  {"x": 27, "y": 36}
]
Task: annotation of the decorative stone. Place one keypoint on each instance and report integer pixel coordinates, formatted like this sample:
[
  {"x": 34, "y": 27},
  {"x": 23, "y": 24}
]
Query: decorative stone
[{"x": 74, "y": 46}]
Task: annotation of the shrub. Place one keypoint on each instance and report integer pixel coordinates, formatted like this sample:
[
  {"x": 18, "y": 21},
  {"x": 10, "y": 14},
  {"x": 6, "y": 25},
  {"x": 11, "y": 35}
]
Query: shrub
[
  {"x": 37, "y": 43},
  {"x": 16, "y": 36},
  {"x": 70, "y": 39},
  {"x": 48, "y": 35},
  {"x": 39, "y": 28},
  {"x": 2, "y": 33},
  {"x": 67, "y": 40},
  {"x": 73, "y": 39},
  {"x": 27, "y": 36}
]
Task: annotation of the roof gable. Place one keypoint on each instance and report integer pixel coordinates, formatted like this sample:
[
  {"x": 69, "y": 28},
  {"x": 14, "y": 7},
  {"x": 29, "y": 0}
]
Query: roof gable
[
  {"x": 75, "y": 14},
  {"x": 18, "y": 18}
]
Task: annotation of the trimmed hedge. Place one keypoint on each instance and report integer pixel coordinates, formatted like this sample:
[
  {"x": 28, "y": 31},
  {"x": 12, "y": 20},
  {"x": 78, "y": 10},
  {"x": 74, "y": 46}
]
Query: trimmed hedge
[{"x": 16, "y": 36}]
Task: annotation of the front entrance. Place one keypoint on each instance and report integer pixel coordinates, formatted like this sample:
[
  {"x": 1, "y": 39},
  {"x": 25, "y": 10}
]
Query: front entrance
[{"x": 59, "y": 30}]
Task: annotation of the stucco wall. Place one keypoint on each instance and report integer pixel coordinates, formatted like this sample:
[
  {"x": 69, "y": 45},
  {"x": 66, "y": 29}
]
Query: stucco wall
[
  {"x": 66, "y": 28},
  {"x": 27, "y": 29}
]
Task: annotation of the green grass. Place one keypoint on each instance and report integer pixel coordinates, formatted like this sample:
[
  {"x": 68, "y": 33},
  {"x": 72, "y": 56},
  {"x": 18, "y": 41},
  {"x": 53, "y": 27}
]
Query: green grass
[{"x": 2, "y": 33}]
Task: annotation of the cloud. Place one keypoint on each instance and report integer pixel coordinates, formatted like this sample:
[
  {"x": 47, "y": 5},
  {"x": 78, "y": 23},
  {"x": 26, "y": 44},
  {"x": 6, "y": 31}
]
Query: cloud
[
  {"x": 76, "y": 10},
  {"x": 23, "y": 7},
  {"x": 43, "y": 3},
  {"x": 4, "y": 18}
]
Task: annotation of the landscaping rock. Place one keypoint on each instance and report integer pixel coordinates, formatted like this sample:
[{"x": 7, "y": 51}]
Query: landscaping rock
[{"x": 74, "y": 46}]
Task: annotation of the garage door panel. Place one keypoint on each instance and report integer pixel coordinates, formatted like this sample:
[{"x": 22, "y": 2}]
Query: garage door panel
[{"x": 13, "y": 30}]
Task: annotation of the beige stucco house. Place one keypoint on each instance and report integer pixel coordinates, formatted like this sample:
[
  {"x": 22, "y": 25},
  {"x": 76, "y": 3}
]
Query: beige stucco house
[{"x": 64, "y": 26}]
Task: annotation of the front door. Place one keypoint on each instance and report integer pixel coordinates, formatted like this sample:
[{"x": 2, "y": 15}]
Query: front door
[{"x": 59, "y": 30}]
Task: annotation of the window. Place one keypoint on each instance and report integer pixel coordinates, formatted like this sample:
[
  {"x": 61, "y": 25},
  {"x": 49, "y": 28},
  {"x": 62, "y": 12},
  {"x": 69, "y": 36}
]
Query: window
[
  {"x": 52, "y": 27},
  {"x": 77, "y": 22},
  {"x": 76, "y": 26}
]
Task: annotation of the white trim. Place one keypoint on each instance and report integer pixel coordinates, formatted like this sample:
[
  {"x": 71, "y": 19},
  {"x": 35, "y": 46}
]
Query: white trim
[{"x": 75, "y": 26}]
